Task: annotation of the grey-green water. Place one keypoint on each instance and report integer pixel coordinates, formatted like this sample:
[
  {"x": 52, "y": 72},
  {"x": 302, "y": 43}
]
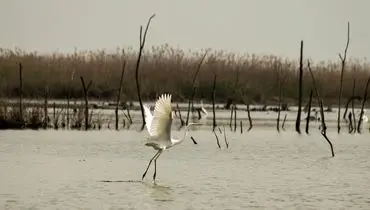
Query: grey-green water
[{"x": 262, "y": 169}]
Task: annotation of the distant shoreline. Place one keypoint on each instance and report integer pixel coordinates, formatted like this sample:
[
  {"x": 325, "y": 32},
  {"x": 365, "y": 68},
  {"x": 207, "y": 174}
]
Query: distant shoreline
[{"x": 249, "y": 78}]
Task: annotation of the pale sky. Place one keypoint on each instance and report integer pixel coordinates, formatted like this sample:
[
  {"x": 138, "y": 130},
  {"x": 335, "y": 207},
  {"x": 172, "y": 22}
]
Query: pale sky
[{"x": 252, "y": 26}]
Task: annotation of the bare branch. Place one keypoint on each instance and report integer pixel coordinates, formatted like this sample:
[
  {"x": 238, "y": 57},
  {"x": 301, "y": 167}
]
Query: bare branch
[
  {"x": 364, "y": 99},
  {"x": 194, "y": 88},
  {"x": 340, "y": 56},
  {"x": 298, "y": 120},
  {"x": 343, "y": 59},
  {"x": 141, "y": 36},
  {"x": 86, "y": 91},
  {"x": 323, "y": 126},
  {"x": 146, "y": 30},
  {"x": 142, "y": 43},
  {"x": 119, "y": 93}
]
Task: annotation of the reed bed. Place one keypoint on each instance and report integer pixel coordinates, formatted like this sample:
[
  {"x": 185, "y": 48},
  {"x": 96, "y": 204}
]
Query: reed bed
[{"x": 166, "y": 69}]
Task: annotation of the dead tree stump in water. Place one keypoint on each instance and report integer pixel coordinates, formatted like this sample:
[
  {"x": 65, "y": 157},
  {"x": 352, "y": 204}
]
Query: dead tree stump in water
[
  {"x": 86, "y": 92},
  {"x": 298, "y": 120},
  {"x": 142, "y": 43},
  {"x": 119, "y": 94}
]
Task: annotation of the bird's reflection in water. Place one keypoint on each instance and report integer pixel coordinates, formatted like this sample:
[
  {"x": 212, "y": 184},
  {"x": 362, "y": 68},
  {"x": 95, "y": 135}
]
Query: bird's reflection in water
[{"x": 161, "y": 193}]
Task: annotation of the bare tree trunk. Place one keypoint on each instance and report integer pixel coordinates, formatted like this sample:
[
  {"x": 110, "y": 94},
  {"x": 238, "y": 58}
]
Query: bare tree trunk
[
  {"x": 213, "y": 102},
  {"x": 54, "y": 114},
  {"x": 347, "y": 104},
  {"x": 241, "y": 126},
  {"x": 323, "y": 131},
  {"x": 20, "y": 93},
  {"x": 217, "y": 140},
  {"x": 192, "y": 138},
  {"x": 309, "y": 112},
  {"x": 343, "y": 59},
  {"x": 279, "y": 106},
  {"x": 298, "y": 121},
  {"x": 235, "y": 117},
  {"x": 69, "y": 97},
  {"x": 142, "y": 43},
  {"x": 350, "y": 126},
  {"x": 231, "y": 117},
  {"x": 225, "y": 139},
  {"x": 46, "y": 116},
  {"x": 194, "y": 87},
  {"x": 182, "y": 122},
  {"x": 353, "y": 106},
  {"x": 249, "y": 118},
  {"x": 86, "y": 91},
  {"x": 282, "y": 126},
  {"x": 119, "y": 94},
  {"x": 362, "y": 106}
]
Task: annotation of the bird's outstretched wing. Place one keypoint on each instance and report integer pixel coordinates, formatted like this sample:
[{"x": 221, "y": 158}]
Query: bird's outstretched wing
[
  {"x": 148, "y": 117},
  {"x": 162, "y": 119}
]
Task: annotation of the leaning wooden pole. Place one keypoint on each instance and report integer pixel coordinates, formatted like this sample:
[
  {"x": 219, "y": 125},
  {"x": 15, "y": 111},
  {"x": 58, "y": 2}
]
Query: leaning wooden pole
[
  {"x": 213, "y": 102},
  {"x": 249, "y": 118},
  {"x": 225, "y": 139},
  {"x": 231, "y": 117},
  {"x": 309, "y": 112},
  {"x": 363, "y": 105},
  {"x": 298, "y": 120},
  {"x": 194, "y": 87},
  {"x": 46, "y": 116},
  {"x": 142, "y": 43},
  {"x": 279, "y": 106},
  {"x": 323, "y": 125},
  {"x": 86, "y": 89},
  {"x": 235, "y": 108},
  {"x": 182, "y": 122},
  {"x": 20, "y": 93},
  {"x": 119, "y": 94},
  {"x": 347, "y": 104},
  {"x": 69, "y": 97},
  {"x": 353, "y": 106},
  {"x": 282, "y": 126},
  {"x": 217, "y": 140},
  {"x": 343, "y": 62}
]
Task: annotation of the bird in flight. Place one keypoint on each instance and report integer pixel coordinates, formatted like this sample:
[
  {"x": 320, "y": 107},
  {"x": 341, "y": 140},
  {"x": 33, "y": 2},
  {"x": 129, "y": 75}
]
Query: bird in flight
[{"x": 159, "y": 129}]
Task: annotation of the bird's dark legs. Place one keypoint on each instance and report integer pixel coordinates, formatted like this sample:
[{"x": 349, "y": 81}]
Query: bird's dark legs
[
  {"x": 155, "y": 165},
  {"x": 150, "y": 162}
]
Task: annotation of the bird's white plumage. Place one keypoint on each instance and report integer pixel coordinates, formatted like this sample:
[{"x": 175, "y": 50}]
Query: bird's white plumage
[
  {"x": 365, "y": 118},
  {"x": 159, "y": 124},
  {"x": 159, "y": 128},
  {"x": 148, "y": 117},
  {"x": 205, "y": 113}
]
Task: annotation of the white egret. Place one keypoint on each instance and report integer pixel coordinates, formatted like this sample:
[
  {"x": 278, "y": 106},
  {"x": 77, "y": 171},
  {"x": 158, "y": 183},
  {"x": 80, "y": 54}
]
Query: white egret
[
  {"x": 202, "y": 114},
  {"x": 203, "y": 110},
  {"x": 364, "y": 117},
  {"x": 159, "y": 129}
]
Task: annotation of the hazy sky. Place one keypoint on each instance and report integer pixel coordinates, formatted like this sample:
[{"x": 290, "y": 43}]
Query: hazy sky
[{"x": 253, "y": 26}]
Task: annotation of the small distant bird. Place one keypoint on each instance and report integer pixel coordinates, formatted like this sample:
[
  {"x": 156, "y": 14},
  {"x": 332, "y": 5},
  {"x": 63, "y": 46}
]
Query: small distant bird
[
  {"x": 202, "y": 113},
  {"x": 314, "y": 118},
  {"x": 364, "y": 117},
  {"x": 159, "y": 129}
]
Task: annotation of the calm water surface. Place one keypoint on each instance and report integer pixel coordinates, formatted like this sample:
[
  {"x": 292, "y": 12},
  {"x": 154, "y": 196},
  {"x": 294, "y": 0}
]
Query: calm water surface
[{"x": 262, "y": 169}]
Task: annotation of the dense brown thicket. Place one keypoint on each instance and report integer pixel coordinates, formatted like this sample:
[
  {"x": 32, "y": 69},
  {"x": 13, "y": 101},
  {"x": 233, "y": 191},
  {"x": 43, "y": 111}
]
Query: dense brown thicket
[{"x": 165, "y": 69}]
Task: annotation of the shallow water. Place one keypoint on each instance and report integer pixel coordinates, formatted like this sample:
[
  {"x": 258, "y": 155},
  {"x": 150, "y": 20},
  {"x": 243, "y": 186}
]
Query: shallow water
[{"x": 262, "y": 169}]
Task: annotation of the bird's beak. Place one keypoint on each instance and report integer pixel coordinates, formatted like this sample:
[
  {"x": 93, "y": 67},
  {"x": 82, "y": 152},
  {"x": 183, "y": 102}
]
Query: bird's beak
[{"x": 195, "y": 142}]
